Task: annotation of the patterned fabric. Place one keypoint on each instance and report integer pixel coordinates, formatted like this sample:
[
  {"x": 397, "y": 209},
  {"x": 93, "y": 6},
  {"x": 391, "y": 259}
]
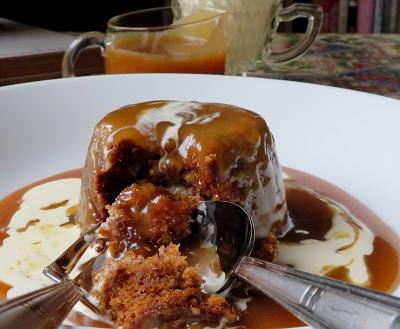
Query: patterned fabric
[{"x": 365, "y": 62}]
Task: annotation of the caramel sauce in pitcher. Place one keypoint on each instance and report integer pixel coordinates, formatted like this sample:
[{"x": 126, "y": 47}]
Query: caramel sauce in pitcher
[{"x": 170, "y": 54}]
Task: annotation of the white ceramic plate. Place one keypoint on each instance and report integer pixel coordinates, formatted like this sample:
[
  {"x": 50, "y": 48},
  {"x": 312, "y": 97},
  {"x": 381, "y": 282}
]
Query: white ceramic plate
[{"x": 349, "y": 138}]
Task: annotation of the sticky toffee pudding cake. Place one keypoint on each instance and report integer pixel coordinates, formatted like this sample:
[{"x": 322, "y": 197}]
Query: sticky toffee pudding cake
[
  {"x": 148, "y": 166},
  {"x": 206, "y": 150}
]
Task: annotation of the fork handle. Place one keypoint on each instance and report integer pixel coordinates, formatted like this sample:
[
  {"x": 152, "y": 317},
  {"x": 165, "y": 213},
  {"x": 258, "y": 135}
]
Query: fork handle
[
  {"x": 321, "y": 302},
  {"x": 44, "y": 308}
]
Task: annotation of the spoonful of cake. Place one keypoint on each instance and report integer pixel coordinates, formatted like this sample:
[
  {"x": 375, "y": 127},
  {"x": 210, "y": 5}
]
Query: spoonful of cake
[{"x": 318, "y": 301}]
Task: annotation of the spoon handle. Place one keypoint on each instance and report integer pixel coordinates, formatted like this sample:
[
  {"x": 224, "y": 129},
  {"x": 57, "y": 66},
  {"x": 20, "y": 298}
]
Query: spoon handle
[
  {"x": 44, "y": 308},
  {"x": 321, "y": 302}
]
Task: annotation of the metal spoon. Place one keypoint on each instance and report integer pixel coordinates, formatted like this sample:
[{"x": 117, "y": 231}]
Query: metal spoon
[{"x": 321, "y": 302}]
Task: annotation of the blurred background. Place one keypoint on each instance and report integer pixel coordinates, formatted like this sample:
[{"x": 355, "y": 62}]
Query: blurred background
[
  {"x": 358, "y": 47},
  {"x": 341, "y": 16},
  {"x": 71, "y": 15}
]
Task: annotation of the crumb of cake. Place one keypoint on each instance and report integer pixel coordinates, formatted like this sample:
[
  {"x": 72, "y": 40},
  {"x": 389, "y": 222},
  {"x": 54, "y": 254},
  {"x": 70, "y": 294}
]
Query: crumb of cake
[
  {"x": 141, "y": 292},
  {"x": 147, "y": 215},
  {"x": 266, "y": 248},
  {"x": 203, "y": 176}
]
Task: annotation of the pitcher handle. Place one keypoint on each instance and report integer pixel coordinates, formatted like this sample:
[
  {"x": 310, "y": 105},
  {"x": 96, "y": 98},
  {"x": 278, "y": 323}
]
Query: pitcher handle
[
  {"x": 314, "y": 15},
  {"x": 72, "y": 53}
]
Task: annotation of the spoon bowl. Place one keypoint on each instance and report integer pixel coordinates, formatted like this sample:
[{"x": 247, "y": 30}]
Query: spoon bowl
[{"x": 227, "y": 226}]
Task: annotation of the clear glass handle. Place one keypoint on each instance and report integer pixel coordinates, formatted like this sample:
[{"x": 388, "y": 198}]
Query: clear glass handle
[
  {"x": 45, "y": 308},
  {"x": 314, "y": 14},
  {"x": 321, "y": 302},
  {"x": 72, "y": 53}
]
